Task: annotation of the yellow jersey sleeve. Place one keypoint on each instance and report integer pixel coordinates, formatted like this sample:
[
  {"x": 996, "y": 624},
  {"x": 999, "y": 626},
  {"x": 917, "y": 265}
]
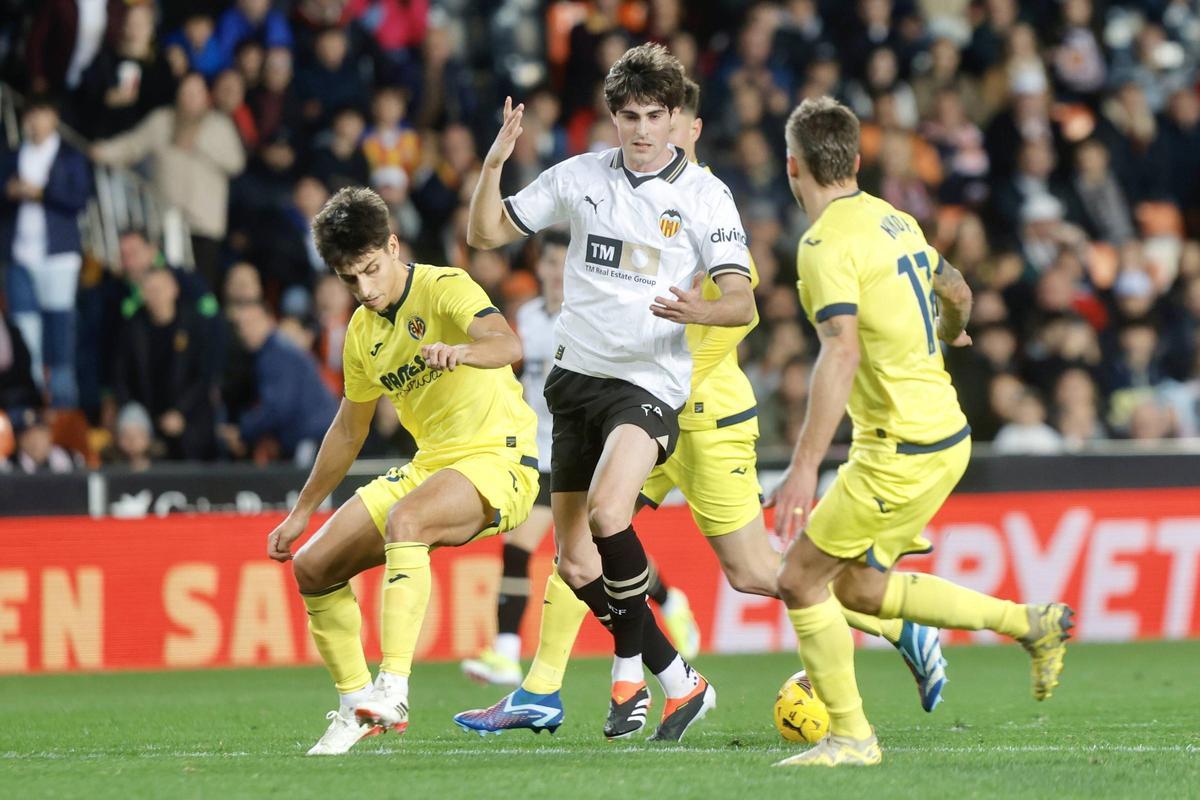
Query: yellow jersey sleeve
[
  {"x": 829, "y": 279},
  {"x": 460, "y": 299},
  {"x": 716, "y": 343},
  {"x": 359, "y": 386}
]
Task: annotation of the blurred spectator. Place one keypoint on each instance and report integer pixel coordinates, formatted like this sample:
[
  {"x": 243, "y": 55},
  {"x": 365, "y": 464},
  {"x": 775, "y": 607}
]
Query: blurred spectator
[
  {"x": 1181, "y": 140},
  {"x": 133, "y": 444},
  {"x": 447, "y": 94},
  {"x": 332, "y": 82},
  {"x": 1130, "y": 130},
  {"x": 17, "y": 388},
  {"x": 46, "y": 186},
  {"x": 294, "y": 407},
  {"x": 1078, "y": 59},
  {"x": 1151, "y": 421},
  {"x": 391, "y": 146},
  {"x": 398, "y": 27},
  {"x": 782, "y": 413},
  {"x": 1034, "y": 182},
  {"x": 64, "y": 38},
  {"x": 282, "y": 246},
  {"x": 1105, "y": 207},
  {"x": 1077, "y": 409},
  {"x": 194, "y": 151},
  {"x": 1028, "y": 433},
  {"x": 36, "y": 451},
  {"x": 195, "y": 47},
  {"x": 944, "y": 75},
  {"x": 163, "y": 363},
  {"x": 338, "y": 159},
  {"x": 252, "y": 19},
  {"x": 960, "y": 144},
  {"x": 275, "y": 104},
  {"x": 332, "y": 305},
  {"x": 229, "y": 97},
  {"x": 127, "y": 80},
  {"x": 883, "y": 76}
]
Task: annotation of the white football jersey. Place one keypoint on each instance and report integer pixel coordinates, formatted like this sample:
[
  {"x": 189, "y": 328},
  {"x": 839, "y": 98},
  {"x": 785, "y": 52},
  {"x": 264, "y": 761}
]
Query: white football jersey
[
  {"x": 632, "y": 238},
  {"x": 535, "y": 326}
]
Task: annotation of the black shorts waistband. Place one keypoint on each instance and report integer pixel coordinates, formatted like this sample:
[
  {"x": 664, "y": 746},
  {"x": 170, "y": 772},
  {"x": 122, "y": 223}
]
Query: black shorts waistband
[{"x": 909, "y": 449}]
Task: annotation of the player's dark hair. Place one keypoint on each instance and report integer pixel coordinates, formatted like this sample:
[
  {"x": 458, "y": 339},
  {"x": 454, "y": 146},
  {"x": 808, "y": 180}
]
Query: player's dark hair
[
  {"x": 553, "y": 236},
  {"x": 825, "y": 134},
  {"x": 352, "y": 222},
  {"x": 691, "y": 97},
  {"x": 646, "y": 74}
]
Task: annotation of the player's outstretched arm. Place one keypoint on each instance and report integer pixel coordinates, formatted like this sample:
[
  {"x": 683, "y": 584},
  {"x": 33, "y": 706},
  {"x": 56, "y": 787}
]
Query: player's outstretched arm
[
  {"x": 734, "y": 308},
  {"x": 832, "y": 380},
  {"x": 954, "y": 296},
  {"x": 493, "y": 345},
  {"x": 488, "y": 225},
  {"x": 338, "y": 450}
]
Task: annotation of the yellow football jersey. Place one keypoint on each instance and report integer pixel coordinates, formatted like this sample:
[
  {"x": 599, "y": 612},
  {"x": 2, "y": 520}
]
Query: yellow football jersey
[
  {"x": 721, "y": 392},
  {"x": 449, "y": 414},
  {"x": 864, "y": 257}
]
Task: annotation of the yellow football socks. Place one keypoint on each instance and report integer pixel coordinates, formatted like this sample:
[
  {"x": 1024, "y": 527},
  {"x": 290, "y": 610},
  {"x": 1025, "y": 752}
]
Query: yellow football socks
[
  {"x": 887, "y": 628},
  {"x": 930, "y": 600},
  {"x": 828, "y": 655},
  {"x": 335, "y": 623},
  {"x": 562, "y": 615},
  {"x": 406, "y": 586}
]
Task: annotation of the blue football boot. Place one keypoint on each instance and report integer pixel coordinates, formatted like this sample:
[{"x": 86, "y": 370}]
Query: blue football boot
[
  {"x": 520, "y": 709},
  {"x": 921, "y": 647}
]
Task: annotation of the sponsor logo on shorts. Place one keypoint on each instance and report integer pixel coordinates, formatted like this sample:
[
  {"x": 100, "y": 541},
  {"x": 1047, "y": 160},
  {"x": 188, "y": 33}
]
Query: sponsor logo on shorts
[
  {"x": 698, "y": 408},
  {"x": 669, "y": 222},
  {"x": 510, "y": 441},
  {"x": 416, "y": 327},
  {"x": 558, "y": 354}
]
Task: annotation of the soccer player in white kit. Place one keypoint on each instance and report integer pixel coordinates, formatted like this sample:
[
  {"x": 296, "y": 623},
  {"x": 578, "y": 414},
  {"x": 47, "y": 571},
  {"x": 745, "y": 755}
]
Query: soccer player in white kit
[
  {"x": 646, "y": 225},
  {"x": 500, "y": 663}
]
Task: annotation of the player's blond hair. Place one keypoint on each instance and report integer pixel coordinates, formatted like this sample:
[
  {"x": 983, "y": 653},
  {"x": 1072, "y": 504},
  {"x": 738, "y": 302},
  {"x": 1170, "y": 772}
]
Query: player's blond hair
[
  {"x": 825, "y": 134},
  {"x": 647, "y": 74}
]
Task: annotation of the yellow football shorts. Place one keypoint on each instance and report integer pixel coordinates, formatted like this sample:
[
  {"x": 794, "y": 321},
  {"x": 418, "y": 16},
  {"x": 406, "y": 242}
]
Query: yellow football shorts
[
  {"x": 509, "y": 487},
  {"x": 715, "y": 471},
  {"x": 878, "y": 507}
]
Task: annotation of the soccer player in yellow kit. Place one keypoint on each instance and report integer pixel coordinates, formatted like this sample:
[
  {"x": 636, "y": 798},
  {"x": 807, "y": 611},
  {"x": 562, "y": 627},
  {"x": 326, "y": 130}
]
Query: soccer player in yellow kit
[
  {"x": 873, "y": 288},
  {"x": 429, "y": 338},
  {"x": 714, "y": 465}
]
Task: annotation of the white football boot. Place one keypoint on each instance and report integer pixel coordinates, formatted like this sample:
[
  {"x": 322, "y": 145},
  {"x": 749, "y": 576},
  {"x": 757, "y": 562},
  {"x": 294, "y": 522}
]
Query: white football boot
[
  {"x": 386, "y": 706},
  {"x": 344, "y": 732}
]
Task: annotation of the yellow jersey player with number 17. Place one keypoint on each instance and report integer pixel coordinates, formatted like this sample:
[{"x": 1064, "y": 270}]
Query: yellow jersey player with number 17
[
  {"x": 430, "y": 340},
  {"x": 872, "y": 287}
]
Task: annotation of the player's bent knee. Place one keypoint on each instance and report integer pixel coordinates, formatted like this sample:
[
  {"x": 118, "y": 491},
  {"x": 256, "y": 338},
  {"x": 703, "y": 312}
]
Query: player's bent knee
[
  {"x": 576, "y": 573},
  {"x": 402, "y": 525},
  {"x": 857, "y": 596},
  {"x": 606, "y": 518},
  {"x": 748, "y": 582},
  {"x": 311, "y": 575}
]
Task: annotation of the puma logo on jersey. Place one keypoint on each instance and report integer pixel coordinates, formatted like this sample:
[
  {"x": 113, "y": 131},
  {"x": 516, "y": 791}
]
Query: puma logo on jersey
[
  {"x": 595, "y": 205},
  {"x": 375, "y": 349},
  {"x": 738, "y": 471},
  {"x": 813, "y": 242}
]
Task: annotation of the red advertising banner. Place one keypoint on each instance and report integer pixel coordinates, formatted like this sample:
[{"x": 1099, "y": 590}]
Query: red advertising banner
[{"x": 197, "y": 591}]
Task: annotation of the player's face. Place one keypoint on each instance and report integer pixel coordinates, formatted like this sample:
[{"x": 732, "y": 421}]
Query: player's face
[
  {"x": 550, "y": 267},
  {"x": 686, "y": 133},
  {"x": 376, "y": 279},
  {"x": 643, "y": 131}
]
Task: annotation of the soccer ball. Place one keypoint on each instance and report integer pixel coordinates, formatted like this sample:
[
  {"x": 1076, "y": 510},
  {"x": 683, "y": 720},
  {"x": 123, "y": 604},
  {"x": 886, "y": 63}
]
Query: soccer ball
[{"x": 800, "y": 715}]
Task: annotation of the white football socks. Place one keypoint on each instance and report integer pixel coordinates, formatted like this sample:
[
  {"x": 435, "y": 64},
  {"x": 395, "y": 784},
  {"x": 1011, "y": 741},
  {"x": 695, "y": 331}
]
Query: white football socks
[{"x": 508, "y": 645}]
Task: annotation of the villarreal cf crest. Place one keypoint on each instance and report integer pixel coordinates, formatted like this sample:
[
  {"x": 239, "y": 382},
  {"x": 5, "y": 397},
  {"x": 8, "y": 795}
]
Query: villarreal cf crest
[
  {"x": 416, "y": 327},
  {"x": 669, "y": 222}
]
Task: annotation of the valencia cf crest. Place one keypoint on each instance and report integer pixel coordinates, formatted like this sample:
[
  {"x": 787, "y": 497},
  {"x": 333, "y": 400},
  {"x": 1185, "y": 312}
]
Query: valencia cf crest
[
  {"x": 669, "y": 222},
  {"x": 416, "y": 327}
]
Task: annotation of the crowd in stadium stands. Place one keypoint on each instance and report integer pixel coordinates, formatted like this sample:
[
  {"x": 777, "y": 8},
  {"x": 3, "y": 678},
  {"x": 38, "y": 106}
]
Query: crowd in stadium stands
[{"x": 1051, "y": 150}]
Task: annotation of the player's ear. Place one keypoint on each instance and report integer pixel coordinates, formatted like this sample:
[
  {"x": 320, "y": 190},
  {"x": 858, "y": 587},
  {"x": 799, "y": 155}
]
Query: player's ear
[
  {"x": 793, "y": 167},
  {"x": 857, "y": 163},
  {"x": 697, "y": 127}
]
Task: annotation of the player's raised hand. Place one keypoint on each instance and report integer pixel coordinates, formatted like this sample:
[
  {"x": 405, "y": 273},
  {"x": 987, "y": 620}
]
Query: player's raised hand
[
  {"x": 506, "y": 139},
  {"x": 280, "y": 540},
  {"x": 792, "y": 500},
  {"x": 687, "y": 308},
  {"x": 441, "y": 356}
]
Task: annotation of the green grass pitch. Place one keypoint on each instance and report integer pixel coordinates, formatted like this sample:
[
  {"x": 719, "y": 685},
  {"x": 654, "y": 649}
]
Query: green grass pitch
[{"x": 1125, "y": 723}]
